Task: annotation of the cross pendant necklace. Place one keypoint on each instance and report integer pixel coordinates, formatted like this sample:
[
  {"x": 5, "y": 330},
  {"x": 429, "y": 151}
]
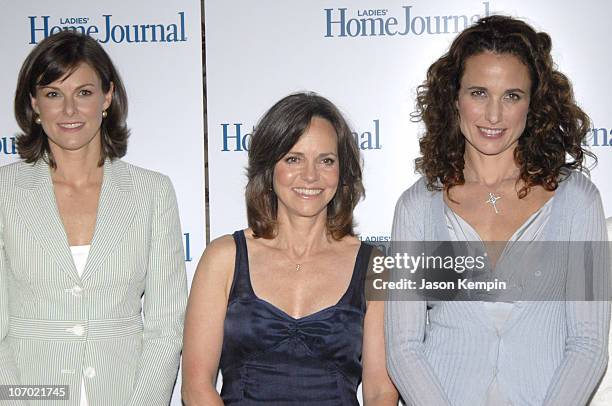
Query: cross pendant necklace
[{"x": 492, "y": 200}]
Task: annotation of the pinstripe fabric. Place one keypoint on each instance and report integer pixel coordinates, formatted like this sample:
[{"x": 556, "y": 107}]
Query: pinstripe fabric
[
  {"x": 548, "y": 353},
  {"x": 54, "y": 324}
]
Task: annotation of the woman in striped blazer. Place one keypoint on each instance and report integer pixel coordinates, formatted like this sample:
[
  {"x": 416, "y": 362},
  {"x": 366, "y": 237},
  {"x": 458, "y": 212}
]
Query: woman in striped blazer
[{"x": 83, "y": 236}]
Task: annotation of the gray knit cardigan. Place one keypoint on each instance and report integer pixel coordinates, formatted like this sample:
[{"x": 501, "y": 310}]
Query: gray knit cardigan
[{"x": 548, "y": 352}]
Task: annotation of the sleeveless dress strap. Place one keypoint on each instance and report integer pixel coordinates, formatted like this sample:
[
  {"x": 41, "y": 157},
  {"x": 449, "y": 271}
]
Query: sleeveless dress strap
[
  {"x": 241, "y": 284},
  {"x": 355, "y": 294}
]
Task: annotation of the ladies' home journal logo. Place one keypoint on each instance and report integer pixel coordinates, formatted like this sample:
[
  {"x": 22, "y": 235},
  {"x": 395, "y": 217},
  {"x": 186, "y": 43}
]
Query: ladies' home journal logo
[
  {"x": 109, "y": 30},
  {"x": 342, "y": 22}
]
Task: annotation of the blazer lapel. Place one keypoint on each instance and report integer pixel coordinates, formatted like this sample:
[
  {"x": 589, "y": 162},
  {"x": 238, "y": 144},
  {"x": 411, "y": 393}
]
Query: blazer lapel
[
  {"x": 38, "y": 211},
  {"x": 116, "y": 211}
]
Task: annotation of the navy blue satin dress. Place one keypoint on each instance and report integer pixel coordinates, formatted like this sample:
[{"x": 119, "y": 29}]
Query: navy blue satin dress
[{"x": 271, "y": 358}]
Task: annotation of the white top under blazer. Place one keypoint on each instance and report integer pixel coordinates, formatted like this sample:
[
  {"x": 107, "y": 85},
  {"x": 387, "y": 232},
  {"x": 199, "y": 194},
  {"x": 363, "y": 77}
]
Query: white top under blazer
[{"x": 79, "y": 256}]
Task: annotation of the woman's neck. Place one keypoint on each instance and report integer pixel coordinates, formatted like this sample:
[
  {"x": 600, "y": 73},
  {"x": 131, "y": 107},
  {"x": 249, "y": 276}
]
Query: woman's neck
[
  {"x": 301, "y": 236},
  {"x": 490, "y": 171},
  {"x": 76, "y": 168}
]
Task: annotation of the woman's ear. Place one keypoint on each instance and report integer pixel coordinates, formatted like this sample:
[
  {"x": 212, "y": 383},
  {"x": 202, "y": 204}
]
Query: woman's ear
[
  {"x": 34, "y": 104},
  {"x": 108, "y": 97}
]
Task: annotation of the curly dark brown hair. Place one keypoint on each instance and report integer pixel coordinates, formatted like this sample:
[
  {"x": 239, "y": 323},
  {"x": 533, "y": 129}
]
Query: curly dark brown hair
[
  {"x": 276, "y": 133},
  {"x": 555, "y": 128}
]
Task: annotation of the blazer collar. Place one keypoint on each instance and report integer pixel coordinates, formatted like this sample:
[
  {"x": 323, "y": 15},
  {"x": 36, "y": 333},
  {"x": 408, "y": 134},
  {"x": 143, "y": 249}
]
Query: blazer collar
[
  {"x": 116, "y": 212},
  {"x": 38, "y": 209}
]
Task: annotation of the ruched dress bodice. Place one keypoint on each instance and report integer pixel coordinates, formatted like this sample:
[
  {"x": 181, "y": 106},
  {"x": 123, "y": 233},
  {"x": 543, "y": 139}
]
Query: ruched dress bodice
[{"x": 271, "y": 358}]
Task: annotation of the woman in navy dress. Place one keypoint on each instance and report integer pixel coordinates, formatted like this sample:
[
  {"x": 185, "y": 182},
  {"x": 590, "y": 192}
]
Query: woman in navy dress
[{"x": 280, "y": 307}]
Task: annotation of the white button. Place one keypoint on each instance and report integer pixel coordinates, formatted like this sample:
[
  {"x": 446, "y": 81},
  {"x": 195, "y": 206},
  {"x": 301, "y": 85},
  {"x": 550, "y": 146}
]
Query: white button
[
  {"x": 77, "y": 291},
  {"x": 89, "y": 372},
  {"x": 77, "y": 330},
  {"x": 538, "y": 273}
]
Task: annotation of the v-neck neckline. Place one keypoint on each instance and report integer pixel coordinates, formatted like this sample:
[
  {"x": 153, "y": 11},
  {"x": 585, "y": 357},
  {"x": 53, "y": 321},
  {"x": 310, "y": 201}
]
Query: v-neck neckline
[
  {"x": 513, "y": 238},
  {"x": 285, "y": 313},
  {"x": 441, "y": 233}
]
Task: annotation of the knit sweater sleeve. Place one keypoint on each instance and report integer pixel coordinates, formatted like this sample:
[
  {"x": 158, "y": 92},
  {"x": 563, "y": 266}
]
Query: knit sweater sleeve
[
  {"x": 405, "y": 320},
  {"x": 587, "y": 320}
]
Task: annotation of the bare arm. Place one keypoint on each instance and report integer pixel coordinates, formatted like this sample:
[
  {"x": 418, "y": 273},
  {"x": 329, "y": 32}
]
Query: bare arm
[
  {"x": 203, "y": 336},
  {"x": 378, "y": 390}
]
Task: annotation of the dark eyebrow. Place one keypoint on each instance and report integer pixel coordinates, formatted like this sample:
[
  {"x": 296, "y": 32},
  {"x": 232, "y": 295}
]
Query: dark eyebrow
[
  {"x": 515, "y": 90},
  {"x": 319, "y": 156},
  {"x": 57, "y": 88}
]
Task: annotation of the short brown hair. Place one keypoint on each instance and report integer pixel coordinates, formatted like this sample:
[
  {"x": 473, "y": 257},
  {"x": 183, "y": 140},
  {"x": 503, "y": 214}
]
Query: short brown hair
[
  {"x": 55, "y": 57},
  {"x": 276, "y": 133},
  {"x": 555, "y": 128}
]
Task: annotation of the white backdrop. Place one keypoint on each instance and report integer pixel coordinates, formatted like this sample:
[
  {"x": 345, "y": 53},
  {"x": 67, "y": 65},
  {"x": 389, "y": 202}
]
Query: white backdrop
[
  {"x": 163, "y": 81},
  {"x": 258, "y": 52}
]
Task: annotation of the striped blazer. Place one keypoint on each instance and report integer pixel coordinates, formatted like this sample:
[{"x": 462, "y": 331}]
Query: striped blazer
[{"x": 57, "y": 327}]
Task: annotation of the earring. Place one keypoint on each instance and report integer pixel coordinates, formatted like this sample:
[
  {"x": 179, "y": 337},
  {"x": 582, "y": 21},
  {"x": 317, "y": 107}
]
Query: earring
[
  {"x": 37, "y": 120},
  {"x": 104, "y": 114}
]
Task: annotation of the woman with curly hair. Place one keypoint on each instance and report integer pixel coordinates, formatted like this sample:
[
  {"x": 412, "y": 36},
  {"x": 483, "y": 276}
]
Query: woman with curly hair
[{"x": 501, "y": 160}]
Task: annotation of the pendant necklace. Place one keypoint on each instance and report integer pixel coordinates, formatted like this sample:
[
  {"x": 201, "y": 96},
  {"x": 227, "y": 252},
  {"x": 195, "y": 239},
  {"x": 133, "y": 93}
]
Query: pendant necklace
[
  {"x": 493, "y": 197},
  {"x": 492, "y": 200},
  {"x": 298, "y": 266}
]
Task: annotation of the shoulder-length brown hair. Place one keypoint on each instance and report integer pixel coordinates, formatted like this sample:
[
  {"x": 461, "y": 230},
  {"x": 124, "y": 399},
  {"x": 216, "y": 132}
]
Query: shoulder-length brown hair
[
  {"x": 55, "y": 57},
  {"x": 276, "y": 133},
  {"x": 555, "y": 128}
]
